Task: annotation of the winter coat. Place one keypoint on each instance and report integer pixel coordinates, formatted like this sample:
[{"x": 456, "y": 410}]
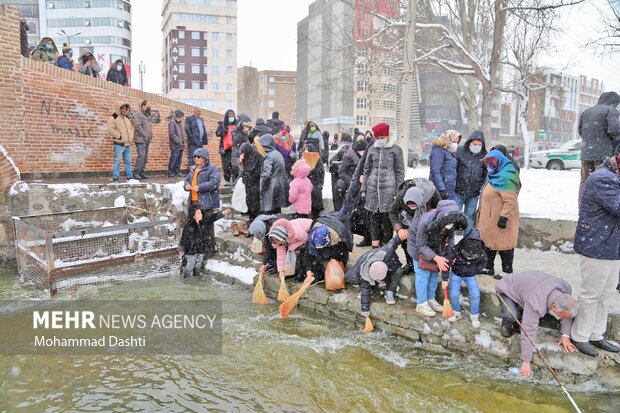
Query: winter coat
[
  {"x": 493, "y": 205},
  {"x": 598, "y": 228},
  {"x": 346, "y": 169},
  {"x": 65, "y": 62},
  {"x": 273, "y": 181},
  {"x": 175, "y": 135},
  {"x": 260, "y": 129},
  {"x": 194, "y": 140},
  {"x": 143, "y": 129},
  {"x": 599, "y": 128},
  {"x": 384, "y": 172},
  {"x": 315, "y": 138},
  {"x": 120, "y": 128},
  {"x": 275, "y": 125},
  {"x": 41, "y": 55},
  {"x": 468, "y": 255},
  {"x": 238, "y": 138},
  {"x": 470, "y": 172},
  {"x": 208, "y": 184},
  {"x": 286, "y": 145},
  {"x": 443, "y": 168},
  {"x": 534, "y": 292},
  {"x": 340, "y": 228},
  {"x": 432, "y": 238},
  {"x": 225, "y": 131},
  {"x": 118, "y": 76},
  {"x": 359, "y": 274},
  {"x": 300, "y": 192},
  {"x": 251, "y": 166},
  {"x": 195, "y": 239},
  {"x": 297, "y": 230},
  {"x": 269, "y": 256},
  {"x": 93, "y": 70},
  {"x": 317, "y": 177},
  {"x": 400, "y": 214}
]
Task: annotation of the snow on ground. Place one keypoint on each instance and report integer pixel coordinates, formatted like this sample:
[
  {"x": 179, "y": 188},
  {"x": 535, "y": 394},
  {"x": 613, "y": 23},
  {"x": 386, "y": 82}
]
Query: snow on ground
[
  {"x": 71, "y": 190},
  {"x": 243, "y": 274},
  {"x": 545, "y": 194},
  {"x": 177, "y": 193}
]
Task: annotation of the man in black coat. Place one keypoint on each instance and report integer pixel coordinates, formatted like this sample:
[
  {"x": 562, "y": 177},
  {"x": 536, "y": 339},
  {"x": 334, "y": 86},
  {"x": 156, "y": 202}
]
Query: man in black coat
[
  {"x": 275, "y": 124},
  {"x": 196, "y": 133},
  {"x": 470, "y": 176},
  {"x": 599, "y": 129},
  {"x": 334, "y": 165}
]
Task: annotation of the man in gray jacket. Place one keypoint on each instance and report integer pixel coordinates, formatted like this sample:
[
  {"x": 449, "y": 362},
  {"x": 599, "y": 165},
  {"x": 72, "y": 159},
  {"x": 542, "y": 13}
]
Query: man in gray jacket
[
  {"x": 530, "y": 295},
  {"x": 175, "y": 138},
  {"x": 143, "y": 135}
]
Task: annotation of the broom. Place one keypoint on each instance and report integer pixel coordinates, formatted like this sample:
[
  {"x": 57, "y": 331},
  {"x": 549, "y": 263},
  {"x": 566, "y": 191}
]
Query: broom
[
  {"x": 368, "y": 327},
  {"x": 447, "y": 307},
  {"x": 283, "y": 292},
  {"x": 258, "y": 296},
  {"x": 287, "y": 306}
]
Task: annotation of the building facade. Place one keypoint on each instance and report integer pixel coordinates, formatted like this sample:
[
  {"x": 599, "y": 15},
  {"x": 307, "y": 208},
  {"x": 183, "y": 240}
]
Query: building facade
[
  {"x": 29, "y": 10},
  {"x": 200, "y": 52},
  {"x": 101, "y": 26},
  {"x": 263, "y": 92}
]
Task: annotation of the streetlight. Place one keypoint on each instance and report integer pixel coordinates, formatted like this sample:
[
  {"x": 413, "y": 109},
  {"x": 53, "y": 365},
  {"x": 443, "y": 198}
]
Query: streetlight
[
  {"x": 142, "y": 70},
  {"x": 69, "y": 36}
]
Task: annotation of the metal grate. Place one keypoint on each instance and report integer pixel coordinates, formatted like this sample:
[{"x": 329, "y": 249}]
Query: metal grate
[{"x": 108, "y": 245}]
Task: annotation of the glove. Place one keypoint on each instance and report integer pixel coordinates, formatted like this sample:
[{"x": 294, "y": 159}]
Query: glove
[
  {"x": 444, "y": 195},
  {"x": 502, "y": 222},
  {"x": 365, "y": 313}
]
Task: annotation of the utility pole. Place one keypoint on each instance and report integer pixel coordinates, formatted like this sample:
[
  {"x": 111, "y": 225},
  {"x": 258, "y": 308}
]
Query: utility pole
[
  {"x": 142, "y": 70},
  {"x": 408, "y": 86}
]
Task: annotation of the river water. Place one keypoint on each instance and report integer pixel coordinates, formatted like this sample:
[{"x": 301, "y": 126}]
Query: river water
[{"x": 302, "y": 364}]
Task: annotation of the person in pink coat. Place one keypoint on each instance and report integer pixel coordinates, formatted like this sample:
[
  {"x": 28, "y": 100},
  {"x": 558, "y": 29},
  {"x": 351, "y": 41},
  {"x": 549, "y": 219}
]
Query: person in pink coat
[
  {"x": 300, "y": 191},
  {"x": 286, "y": 236}
]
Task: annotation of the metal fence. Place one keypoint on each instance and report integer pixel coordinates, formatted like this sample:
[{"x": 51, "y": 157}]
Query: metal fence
[{"x": 61, "y": 251}]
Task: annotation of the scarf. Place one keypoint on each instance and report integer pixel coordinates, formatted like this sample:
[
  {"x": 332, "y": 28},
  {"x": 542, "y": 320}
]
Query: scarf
[
  {"x": 504, "y": 177},
  {"x": 284, "y": 140}
]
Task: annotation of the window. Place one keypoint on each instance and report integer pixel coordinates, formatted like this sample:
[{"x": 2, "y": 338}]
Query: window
[
  {"x": 205, "y": 36},
  {"x": 215, "y": 53},
  {"x": 229, "y": 87},
  {"x": 198, "y": 18},
  {"x": 215, "y": 36},
  {"x": 361, "y": 69},
  {"x": 229, "y": 37},
  {"x": 181, "y": 51},
  {"x": 195, "y": 69},
  {"x": 360, "y": 120},
  {"x": 205, "y": 69},
  {"x": 215, "y": 86},
  {"x": 271, "y": 79},
  {"x": 205, "y": 52},
  {"x": 229, "y": 70},
  {"x": 361, "y": 103},
  {"x": 229, "y": 3},
  {"x": 271, "y": 103},
  {"x": 230, "y": 20},
  {"x": 271, "y": 92},
  {"x": 361, "y": 86},
  {"x": 195, "y": 85},
  {"x": 195, "y": 51},
  {"x": 388, "y": 104},
  {"x": 195, "y": 35},
  {"x": 181, "y": 84},
  {"x": 181, "y": 34},
  {"x": 389, "y": 88},
  {"x": 181, "y": 67},
  {"x": 228, "y": 54},
  {"x": 215, "y": 70}
]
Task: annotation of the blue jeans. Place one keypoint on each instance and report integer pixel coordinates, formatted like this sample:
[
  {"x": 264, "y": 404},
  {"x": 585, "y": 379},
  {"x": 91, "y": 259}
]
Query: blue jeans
[
  {"x": 471, "y": 205},
  {"x": 124, "y": 152},
  {"x": 174, "y": 163},
  {"x": 426, "y": 283},
  {"x": 455, "y": 291}
]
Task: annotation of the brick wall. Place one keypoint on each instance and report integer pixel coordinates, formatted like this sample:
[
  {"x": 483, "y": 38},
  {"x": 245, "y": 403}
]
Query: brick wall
[{"x": 53, "y": 121}]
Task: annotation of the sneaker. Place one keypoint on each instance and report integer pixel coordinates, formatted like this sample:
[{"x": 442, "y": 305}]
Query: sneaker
[
  {"x": 488, "y": 271},
  {"x": 435, "y": 305},
  {"x": 425, "y": 310},
  {"x": 475, "y": 322},
  {"x": 455, "y": 317},
  {"x": 389, "y": 297}
]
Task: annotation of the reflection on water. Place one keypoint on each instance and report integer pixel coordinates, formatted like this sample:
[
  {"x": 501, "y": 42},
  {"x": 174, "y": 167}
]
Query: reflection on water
[{"x": 305, "y": 363}]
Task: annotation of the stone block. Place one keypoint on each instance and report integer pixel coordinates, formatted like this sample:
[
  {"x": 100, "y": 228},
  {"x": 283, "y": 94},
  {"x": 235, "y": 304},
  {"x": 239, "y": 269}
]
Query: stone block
[
  {"x": 407, "y": 286},
  {"x": 317, "y": 294}
]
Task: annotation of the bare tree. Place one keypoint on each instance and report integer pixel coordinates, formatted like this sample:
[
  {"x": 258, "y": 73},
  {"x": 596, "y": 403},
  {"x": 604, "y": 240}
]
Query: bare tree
[{"x": 609, "y": 34}]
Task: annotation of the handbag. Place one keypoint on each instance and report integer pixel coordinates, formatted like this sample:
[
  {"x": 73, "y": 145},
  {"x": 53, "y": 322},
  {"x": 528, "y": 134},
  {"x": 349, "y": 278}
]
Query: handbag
[{"x": 424, "y": 264}]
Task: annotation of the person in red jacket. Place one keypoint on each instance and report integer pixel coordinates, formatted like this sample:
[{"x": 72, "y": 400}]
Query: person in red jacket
[{"x": 224, "y": 132}]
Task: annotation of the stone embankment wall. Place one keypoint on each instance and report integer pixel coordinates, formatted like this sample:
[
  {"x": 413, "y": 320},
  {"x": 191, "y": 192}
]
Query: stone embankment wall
[{"x": 53, "y": 121}]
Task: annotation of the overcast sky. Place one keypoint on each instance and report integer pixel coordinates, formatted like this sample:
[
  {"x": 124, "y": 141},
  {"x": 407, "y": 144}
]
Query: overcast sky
[{"x": 267, "y": 38}]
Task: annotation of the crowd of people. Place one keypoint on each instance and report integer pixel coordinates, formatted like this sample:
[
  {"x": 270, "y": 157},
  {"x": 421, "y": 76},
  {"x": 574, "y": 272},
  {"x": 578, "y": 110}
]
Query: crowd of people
[{"x": 471, "y": 191}]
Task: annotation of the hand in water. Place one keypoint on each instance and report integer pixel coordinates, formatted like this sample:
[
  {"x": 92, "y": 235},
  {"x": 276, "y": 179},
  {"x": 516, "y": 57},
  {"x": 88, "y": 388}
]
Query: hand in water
[{"x": 526, "y": 369}]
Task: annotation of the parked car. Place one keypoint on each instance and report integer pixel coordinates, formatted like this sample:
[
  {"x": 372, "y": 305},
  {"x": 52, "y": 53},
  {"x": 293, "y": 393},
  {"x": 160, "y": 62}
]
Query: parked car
[
  {"x": 412, "y": 159},
  {"x": 566, "y": 156}
]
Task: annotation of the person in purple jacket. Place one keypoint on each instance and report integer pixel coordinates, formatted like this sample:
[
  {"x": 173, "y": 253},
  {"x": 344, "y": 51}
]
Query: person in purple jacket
[{"x": 530, "y": 295}]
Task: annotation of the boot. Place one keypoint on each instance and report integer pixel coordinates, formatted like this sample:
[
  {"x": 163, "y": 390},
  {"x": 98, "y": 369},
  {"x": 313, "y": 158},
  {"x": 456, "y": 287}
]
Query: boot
[{"x": 366, "y": 242}]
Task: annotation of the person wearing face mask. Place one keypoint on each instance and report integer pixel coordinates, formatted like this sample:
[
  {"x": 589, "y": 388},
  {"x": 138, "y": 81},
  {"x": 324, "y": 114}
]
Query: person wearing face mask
[
  {"x": 384, "y": 172},
  {"x": 443, "y": 163},
  {"x": 66, "y": 60},
  {"x": 46, "y": 51},
  {"x": 434, "y": 239},
  {"x": 224, "y": 132},
  {"x": 529, "y": 296},
  {"x": 143, "y": 135},
  {"x": 118, "y": 74},
  {"x": 498, "y": 214},
  {"x": 311, "y": 134},
  {"x": 470, "y": 176}
]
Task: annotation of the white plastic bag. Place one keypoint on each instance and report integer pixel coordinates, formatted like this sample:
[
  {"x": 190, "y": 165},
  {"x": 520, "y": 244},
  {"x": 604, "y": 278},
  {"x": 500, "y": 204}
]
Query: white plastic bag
[
  {"x": 238, "y": 197},
  {"x": 290, "y": 263}
]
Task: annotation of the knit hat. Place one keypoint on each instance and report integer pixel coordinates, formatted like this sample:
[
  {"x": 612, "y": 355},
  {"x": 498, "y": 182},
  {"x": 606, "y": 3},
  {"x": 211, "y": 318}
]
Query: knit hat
[
  {"x": 381, "y": 130},
  {"x": 66, "y": 48},
  {"x": 360, "y": 145},
  {"x": 378, "y": 270},
  {"x": 258, "y": 228},
  {"x": 178, "y": 113},
  {"x": 450, "y": 135},
  {"x": 279, "y": 233},
  {"x": 321, "y": 237}
]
